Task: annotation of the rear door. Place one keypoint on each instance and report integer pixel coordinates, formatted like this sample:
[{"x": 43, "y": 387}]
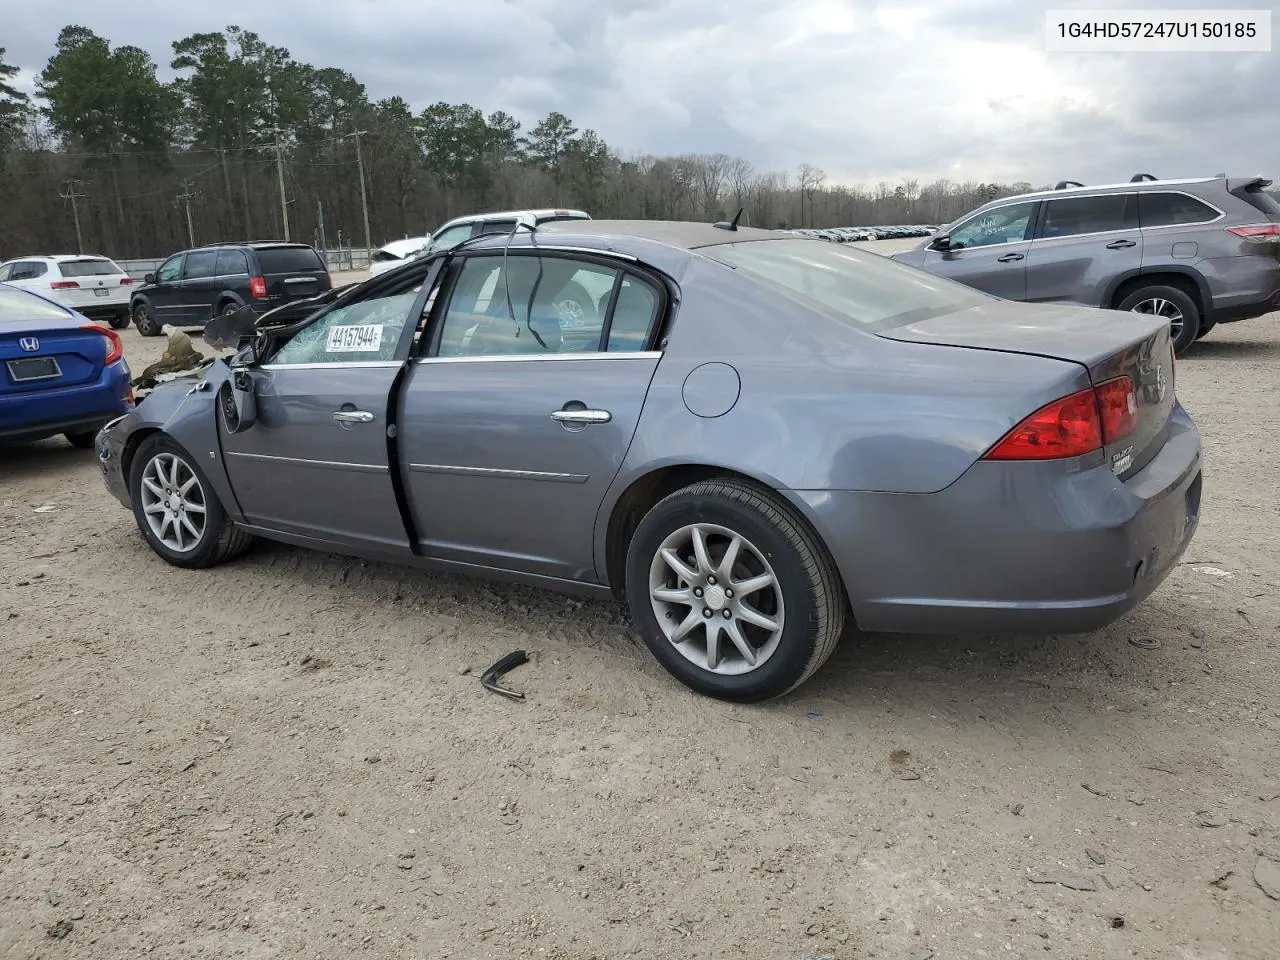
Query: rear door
[
  {"x": 315, "y": 464},
  {"x": 988, "y": 251},
  {"x": 293, "y": 272},
  {"x": 1081, "y": 244},
  {"x": 165, "y": 292},
  {"x": 512, "y": 431},
  {"x": 200, "y": 287}
]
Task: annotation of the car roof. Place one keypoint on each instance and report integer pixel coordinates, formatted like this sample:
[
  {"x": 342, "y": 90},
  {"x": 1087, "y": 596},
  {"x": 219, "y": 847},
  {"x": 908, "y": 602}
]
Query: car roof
[
  {"x": 1136, "y": 185},
  {"x": 252, "y": 244}
]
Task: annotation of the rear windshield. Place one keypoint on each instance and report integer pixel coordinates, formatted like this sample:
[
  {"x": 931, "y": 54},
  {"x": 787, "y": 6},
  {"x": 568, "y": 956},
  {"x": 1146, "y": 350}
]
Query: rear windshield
[
  {"x": 1262, "y": 200},
  {"x": 88, "y": 268},
  {"x": 862, "y": 289},
  {"x": 17, "y": 306},
  {"x": 289, "y": 260}
]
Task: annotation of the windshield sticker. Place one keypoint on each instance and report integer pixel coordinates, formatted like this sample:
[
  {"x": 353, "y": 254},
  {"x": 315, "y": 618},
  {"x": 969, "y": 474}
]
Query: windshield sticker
[{"x": 354, "y": 339}]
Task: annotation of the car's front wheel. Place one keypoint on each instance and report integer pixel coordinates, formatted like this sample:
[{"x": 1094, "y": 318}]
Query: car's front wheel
[
  {"x": 1174, "y": 306},
  {"x": 732, "y": 592},
  {"x": 145, "y": 321},
  {"x": 176, "y": 509}
]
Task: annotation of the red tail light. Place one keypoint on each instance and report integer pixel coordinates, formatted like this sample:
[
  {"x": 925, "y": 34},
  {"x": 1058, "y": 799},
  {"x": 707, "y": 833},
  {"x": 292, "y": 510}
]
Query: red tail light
[
  {"x": 1257, "y": 232},
  {"x": 115, "y": 346},
  {"x": 1118, "y": 401},
  {"x": 64, "y": 285},
  {"x": 126, "y": 281},
  {"x": 258, "y": 288},
  {"x": 1074, "y": 425}
]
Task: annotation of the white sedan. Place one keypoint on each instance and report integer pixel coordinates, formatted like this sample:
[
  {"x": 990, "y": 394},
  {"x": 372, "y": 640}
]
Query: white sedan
[
  {"x": 93, "y": 286},
  {"x": 395, "y": 253}
]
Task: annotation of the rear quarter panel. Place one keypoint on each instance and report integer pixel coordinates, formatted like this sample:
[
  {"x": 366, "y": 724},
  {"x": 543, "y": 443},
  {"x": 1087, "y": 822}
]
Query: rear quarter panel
[{"x": 823, "y": 406}]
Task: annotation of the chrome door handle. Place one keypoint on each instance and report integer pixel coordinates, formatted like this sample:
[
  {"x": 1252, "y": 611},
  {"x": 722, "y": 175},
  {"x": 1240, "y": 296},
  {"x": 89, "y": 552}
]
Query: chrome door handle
[
  {"x": 352, "y": 416},
  {"x": 1010, "y": 257},
  {"x": 582, "y": 416},
  {"x": 1120, "y": 244}
]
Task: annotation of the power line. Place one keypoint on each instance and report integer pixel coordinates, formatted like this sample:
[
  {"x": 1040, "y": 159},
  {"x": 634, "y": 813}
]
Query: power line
[{"x": 73, "y": 195}]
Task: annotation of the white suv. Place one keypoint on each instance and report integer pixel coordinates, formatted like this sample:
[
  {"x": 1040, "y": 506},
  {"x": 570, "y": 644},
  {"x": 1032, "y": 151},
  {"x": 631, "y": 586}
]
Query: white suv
[
  {"x": 93, "y": 286},
  {"x": 463, "y": 228}
]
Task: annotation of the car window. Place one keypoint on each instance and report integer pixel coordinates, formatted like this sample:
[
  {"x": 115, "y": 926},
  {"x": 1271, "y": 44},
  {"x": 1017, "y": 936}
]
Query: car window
[
  {"x": 861, "y": 289},
  {"x": 27, "y": 270},
  {"x": 1007, "y": 224},
  {"x": 1170, "y": 209},
  {"x": 633, "y": 316},
  {"x": 486, "y": 227},
  {"x": 290, "y": 260},
  {"x": 231, "y": 263},
  {"x": 1073, "y": 216},
  {"x": 20, "y": 305},
  {"x": 355, "y": 333},
  {"x": 451, "y": 237},
  {"x": 95, "y": 267},
  {"x": 200, "y": 265},
  {"x": 4, "y": 272},
  {"x": 169, "y": 270},
  {"x": 558, "y": 305}
]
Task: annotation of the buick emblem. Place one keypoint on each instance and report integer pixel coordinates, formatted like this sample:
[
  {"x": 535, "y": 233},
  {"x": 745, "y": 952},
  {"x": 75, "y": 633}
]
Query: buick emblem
[{"x": 29, "y": 344}]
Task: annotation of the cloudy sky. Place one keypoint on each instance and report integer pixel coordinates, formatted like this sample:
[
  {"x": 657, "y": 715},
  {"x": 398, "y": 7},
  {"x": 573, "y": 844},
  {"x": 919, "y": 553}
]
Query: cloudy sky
[{"x": 864, "y": 89}]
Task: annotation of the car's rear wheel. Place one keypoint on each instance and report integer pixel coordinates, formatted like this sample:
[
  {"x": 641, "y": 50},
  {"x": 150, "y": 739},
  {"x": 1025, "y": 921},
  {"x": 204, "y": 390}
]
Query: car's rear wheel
[
  {"x": 176, "y": 509},
  {"x": 732, "y": 592},
  {"x": 145, "y": 321},
  {"x": 1173, "y": 305},
  {"x": 81, "y": 441}
]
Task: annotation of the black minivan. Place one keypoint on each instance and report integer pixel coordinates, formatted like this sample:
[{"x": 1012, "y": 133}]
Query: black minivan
[{"x": 191, "y": 287}]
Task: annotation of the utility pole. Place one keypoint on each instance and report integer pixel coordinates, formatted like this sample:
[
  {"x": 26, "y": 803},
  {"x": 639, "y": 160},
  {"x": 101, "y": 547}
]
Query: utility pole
[
  {"x": 364, "y": 198},
  {"x": 73, "y": 196},
  {"x": 324, "y": 245},
  {"x": 284, "y": 203},
  {"x": 185, "y": 198}
]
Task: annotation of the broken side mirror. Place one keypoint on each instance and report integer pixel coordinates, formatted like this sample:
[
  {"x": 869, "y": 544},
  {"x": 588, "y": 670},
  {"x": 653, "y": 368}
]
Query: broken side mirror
[{"x": 236, "y": 402}]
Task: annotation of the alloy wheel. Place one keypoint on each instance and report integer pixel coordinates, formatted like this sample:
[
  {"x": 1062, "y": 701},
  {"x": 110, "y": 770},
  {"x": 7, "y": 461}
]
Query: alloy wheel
[
  {"x": 1159, "y": 307},
  {"x": 173, "y": 501},
  {"x": 716, "y": 599}
]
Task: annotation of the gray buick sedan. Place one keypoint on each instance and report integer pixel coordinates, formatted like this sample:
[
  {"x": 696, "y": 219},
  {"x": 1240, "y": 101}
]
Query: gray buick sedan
[{"x": 754, "y": 439}]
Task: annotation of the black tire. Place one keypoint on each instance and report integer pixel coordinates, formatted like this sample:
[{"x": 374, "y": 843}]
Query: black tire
[
  {"x": 812, "y": 595},
  {"x": 83, "y": 440},
  {"x": 1205, "y": 327},
  {"x": 220, "y": 540},
  {"x": 145, "y": 321},
  {"x": 119, "y": 321},
  {"x": 229, "y": 306},
  {"x": 1186, "y": 335}
]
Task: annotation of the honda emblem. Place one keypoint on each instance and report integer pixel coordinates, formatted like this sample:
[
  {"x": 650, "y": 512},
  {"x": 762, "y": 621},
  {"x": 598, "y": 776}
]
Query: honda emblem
[{"x": 29, "y": 344}]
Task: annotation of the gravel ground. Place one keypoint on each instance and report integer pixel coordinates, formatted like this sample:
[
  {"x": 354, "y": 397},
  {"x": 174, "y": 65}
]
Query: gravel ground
[{"x": 286, "y": 757}]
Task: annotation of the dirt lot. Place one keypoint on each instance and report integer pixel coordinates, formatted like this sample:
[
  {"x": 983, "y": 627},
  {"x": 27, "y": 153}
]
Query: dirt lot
[{"x": 284, "y": 758}]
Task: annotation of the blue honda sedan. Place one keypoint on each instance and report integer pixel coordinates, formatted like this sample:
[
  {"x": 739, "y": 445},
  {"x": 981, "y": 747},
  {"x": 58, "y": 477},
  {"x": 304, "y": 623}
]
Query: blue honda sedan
[{"x": 59, "y": 372}]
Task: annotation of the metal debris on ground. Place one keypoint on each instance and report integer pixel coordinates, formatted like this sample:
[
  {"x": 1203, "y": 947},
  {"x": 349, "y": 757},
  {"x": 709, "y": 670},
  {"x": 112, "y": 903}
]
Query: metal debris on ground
[
  {"x": 1096, "y": 856},
  {"x": 1070, "y": 881},
  {"x": 489, "y": 679},
  {"x": 1146, "y": 643}
]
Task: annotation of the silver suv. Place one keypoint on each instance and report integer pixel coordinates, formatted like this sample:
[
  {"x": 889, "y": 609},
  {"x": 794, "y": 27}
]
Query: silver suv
[{"x": 1200, "y": 252}]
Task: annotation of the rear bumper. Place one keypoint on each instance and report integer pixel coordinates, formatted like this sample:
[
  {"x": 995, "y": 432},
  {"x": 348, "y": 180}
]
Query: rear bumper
[
  {"x": 1242, "y": 287},
  {"x": 103, "y": 311},
  {"x": 1035, "y": 547},
  {"x": 79, "y": 409}
]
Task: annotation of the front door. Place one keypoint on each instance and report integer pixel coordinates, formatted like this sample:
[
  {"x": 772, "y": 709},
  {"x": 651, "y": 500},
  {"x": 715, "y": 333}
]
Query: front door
[
  {"x": 988, "y": 252},
  {"x": 199, "y": 287},
  {"x": 316, "y": 464},
  {"x": 514, "y": 429},
  {"x": 165, "y": 294}
]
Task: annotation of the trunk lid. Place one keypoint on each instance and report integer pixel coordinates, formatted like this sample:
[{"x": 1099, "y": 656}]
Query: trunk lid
[
  {"x": 97, "y": 281},
  {"x": 292, "y": 272},
  {"x": 48, "y": 355},
  {"x": 1108, "y": 343}
]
